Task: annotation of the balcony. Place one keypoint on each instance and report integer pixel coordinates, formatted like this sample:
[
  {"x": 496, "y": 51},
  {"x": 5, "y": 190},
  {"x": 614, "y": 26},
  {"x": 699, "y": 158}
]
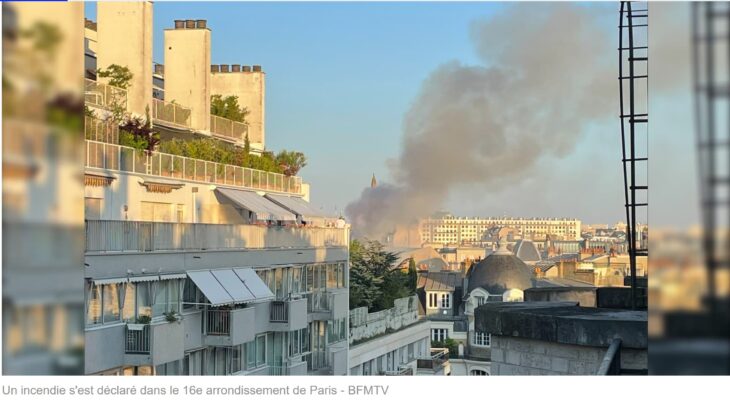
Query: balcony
[
  {"x": 114, "y": 157},
  {"x": 153, "y": 344},
  {"x": 103, "y": 95},
  {"x": 401, "y": 371},
  {"x": 228, "y": 129},
  {"x": 135, "y": 236},
  {"x": 288, "y": 315},
  {"x": 101, "y": 131},
  {"x": 439, "y": 358},
  {"x": 329, "y": 304},
  {"x": 171, "y": 113},
  {"x": 229, "y": 327}
]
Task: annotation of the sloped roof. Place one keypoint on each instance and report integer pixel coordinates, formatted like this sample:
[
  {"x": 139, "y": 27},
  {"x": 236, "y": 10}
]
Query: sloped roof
[
  {"x": 440, "y": 281},
  {"x": 526, "y": 250}
]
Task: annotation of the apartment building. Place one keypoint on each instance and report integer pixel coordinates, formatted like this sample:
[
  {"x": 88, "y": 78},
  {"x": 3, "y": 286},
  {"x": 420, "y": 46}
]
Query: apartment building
[
  {"x": 194, "y": 267},
  {"x": 449, "y": 230}
]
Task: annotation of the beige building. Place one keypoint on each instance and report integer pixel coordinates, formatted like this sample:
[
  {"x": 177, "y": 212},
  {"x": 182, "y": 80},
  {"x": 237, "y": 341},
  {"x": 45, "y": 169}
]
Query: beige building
[
  {"x": 196, "y": 267},
  {"x": 450, "y": 230}
]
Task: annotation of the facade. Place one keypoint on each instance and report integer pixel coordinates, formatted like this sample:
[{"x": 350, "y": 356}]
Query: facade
[
  {"x": 449, "y": 230},
  {"x": 394, "y": 342},
  {"x": 195, "y": 267}
]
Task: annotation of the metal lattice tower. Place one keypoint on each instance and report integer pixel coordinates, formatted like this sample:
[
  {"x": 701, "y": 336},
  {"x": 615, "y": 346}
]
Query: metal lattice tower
[
  {"x": 711, "y": 76},
  {"x": 633, "y": 78}
]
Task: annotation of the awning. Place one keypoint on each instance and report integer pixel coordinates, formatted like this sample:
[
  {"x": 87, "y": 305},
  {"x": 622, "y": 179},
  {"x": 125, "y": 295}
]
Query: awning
[
  {"x": 264, "y": 209},
  {"x": 228, "y": 286},
  {"x": 296, "y": 205},
  {"x": 144, "y": 278},
  {"x": 165, "y": 277},
  {"x": 253, "y": 282},
  {"x": 110, "y": 281}
]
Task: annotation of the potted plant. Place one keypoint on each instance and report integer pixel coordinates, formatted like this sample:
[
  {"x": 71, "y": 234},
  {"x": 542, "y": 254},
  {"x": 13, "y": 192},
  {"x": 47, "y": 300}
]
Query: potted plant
[
  {"x": 172, "y": 316},
  {"x": 139, "y": 323}
]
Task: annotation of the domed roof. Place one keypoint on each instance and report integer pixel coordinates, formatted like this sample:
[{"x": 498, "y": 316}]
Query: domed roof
[{"x": 500, "y": 271}]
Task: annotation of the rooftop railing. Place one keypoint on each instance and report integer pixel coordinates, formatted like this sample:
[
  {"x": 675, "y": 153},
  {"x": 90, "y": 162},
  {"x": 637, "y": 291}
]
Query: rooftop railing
[
  {"x": 121, "y": 158},
  {"x": 104, "y": 95},
  {"x": 171, "y": 113},
  {"x": 101, "y": 131},
  {"x": 228, "y": 129},
  {"x": 137, "y": 236},
  {"x": 438, "y": 358}
]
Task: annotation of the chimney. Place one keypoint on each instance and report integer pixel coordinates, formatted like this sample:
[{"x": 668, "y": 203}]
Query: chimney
[
  {"x": 246, "y": 68},
  {"x": 224, "y": 67},
  {"x": 189, "y": 24},
  {"x": 201, "y": 24},
  {"x": 215, "y": 68},
  {"x": 256, "y": 68},
  {"x": 179, "y": 24},
  {"x": 235, "y": 68}
]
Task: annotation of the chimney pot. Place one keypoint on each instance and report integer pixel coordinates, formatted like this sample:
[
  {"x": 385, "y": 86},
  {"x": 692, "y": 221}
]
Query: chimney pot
[
  {"x": 214, "y": 68},
  {"x": 256, "y": 68},
  {"x": 159, "y": 69},
  {"x": 179, "y": 24},
  {"x": 246, "y": 68},
  {"x": 224, "y": 67},
  {"x": 201, "y": 24},
  {"x": 235, "y": 68},
  {"x": 190, "y": 24}
]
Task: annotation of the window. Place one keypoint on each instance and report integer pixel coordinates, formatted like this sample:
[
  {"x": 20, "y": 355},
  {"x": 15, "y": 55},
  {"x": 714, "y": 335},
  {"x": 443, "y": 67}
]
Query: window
[
  {"x": 256, "y": 352},
  {"x": 336, "y": 330},
  {"x": 445, "y": 300},
  {"x": 482, "y": 339},
  {"x": 92, "y": 208},
  {"x": 439, "y": 334},
  {"x": 104, "y": 303},
  {"x": 480, "y": 300},
  {"x": 478, "y": 372},
  {"x": 432, "y": 300}
]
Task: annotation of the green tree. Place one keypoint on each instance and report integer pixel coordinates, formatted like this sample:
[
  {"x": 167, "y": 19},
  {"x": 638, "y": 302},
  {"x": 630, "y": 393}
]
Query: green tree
[
  {"x": 412, "y": 275},
  {"x": 227, "y": 107},
  {"x": 119, "y": 76},
  {"x": 291, "y": 162},
  {"x": 374, "y": 281}
]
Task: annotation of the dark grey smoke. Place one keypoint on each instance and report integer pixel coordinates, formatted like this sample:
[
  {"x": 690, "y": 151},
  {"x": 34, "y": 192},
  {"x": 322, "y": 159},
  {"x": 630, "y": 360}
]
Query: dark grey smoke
[{"x": 548, "y": 72}]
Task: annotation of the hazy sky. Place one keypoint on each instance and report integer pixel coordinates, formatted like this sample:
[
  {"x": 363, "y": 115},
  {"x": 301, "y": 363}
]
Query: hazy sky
[{"x": 341, "y": 77}]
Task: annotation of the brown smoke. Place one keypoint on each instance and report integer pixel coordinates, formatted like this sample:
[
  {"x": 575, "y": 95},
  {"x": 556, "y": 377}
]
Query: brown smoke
[{"x": 548, "y": 72}]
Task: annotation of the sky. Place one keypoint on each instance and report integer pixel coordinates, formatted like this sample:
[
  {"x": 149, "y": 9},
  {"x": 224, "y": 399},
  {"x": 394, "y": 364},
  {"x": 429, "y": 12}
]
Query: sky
[{"x": 342, "y": 76}]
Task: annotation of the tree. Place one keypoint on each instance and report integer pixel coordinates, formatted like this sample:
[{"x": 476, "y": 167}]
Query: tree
[
  {"x": 138, "y": 133},
  {"x": 119, "y": 76},
  {"x": 412, "y": 275},
  {"x": 374, "y": 281},
  {"x": 291, "y": 162},
  {"x": 228, "y": 107}
]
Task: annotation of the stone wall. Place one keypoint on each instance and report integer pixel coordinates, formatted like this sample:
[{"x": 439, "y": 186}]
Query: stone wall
[
  {"x": 364, "y": 325},
  {"x": 518, "y": 356}
]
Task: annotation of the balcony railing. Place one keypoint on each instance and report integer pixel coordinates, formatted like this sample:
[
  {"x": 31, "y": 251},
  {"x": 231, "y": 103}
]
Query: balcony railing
[
  {"x": 171, "y": 113},
  {"x": 436, "y": 361},
  {"x": 101, "y": 131},
  {"x": 103, "y": 95},
  {"x": 279, "y": 311},
  {"x": 228, "y": 129},
  {"x": 218, "y": 322},
  {"x": 400, "y": 371},
  {"x": 138, "y": 339},
  {"x": 121, "y": 158},
  {"x": 137, "y": 236}
]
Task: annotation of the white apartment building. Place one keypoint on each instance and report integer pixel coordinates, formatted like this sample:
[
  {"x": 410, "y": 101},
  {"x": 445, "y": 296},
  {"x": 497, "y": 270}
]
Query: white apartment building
[
  {"x": 450, "y": 230},
  {"x": 194, "y": 267}
]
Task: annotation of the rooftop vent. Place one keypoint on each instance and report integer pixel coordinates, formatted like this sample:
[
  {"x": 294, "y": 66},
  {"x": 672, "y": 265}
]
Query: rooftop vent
[
  {"x": 256, "y": 68},
  {"x": 235, "y": 68},
  {"x": 190, "y": 24},
  {"x": 246, "y": 68},
  {"x": 215, "y": 68},
  {"x": 201, "y": 24},
  {"x": 179, "y": 24},
  {"x": 224, "y": 67}
]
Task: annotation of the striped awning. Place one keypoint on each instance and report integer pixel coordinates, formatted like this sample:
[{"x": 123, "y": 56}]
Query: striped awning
[
  {"x": 264, "y": 209},
  {"x": 306, "y": 211},
  {"x": 229, "y": 286}
]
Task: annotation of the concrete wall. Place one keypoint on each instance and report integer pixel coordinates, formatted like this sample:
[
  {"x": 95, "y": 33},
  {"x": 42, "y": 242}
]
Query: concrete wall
[
  {"x": 585, "y": 297},
  {"x": 187, "y": 73},
  {"x": 104, "y": 348},
  {"x": 125, "y": 38},
  {"x": 364, "y": 325},
  {"x": 250, "y": 88},
  {"x": 191, "y": 330},
  {"x": 418, "y": 334},
  {"x": 517, "y": 356}
]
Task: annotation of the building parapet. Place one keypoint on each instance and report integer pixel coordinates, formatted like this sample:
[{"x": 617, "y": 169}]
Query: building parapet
[
  {"x": 114, "y": 157},
  {"x": 137, "y": 236},
  {"x": 364, "y": 325}
]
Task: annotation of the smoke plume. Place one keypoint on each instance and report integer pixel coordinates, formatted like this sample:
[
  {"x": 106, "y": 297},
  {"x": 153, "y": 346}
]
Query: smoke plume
[{"x": 548, "y": 72}]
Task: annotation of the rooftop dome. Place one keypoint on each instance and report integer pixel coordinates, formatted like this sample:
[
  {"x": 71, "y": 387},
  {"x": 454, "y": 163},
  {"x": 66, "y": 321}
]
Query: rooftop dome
[{"x": 500, "y": 271}]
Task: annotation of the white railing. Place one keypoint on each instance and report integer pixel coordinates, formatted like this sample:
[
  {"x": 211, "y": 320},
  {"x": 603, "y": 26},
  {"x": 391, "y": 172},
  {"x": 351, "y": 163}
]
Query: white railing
[
  {"x": 227, "y": 128},
  {"x": 171, "y": 112},
  {"x": 121, "y": 158},
  {"x": 101, "y": 131},
  {"x": 138, "y": 340},
  {"x": 103, "y": 95},
  {"x": 319, "y": 301},
  {"x": 136, "y": 236}
]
